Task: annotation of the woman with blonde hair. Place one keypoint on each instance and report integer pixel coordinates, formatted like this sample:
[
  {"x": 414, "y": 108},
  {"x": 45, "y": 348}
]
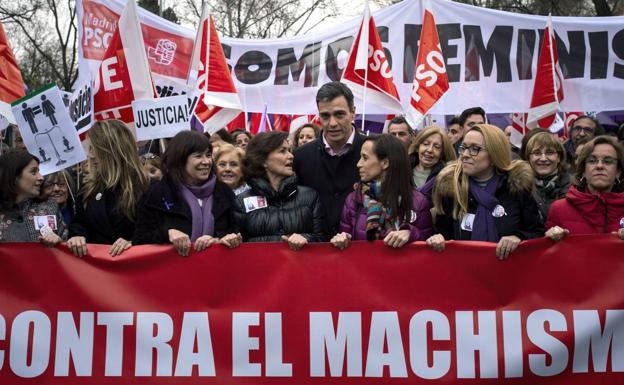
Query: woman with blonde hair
[
  {"x": 229, "y": 168},
  {"x": 485, "y": 196},
  {"x": 106, "y": 208},
  {"x": 429, "y": 153},
  {"x": 546, "y": 156}
]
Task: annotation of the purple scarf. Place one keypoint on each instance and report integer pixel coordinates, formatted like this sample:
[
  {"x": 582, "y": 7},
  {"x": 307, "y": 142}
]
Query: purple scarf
[
  {"x": 427, "y": 187},
  {"x": 484, "y": 227},
  {"x": 203, "y": 220}
]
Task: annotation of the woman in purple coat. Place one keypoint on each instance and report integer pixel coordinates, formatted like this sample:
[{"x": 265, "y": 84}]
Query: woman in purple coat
[{"x": 384, "y": 204}]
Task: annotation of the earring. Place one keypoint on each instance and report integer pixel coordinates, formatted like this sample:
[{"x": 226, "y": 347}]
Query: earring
[{"x": 617, "y": 181}]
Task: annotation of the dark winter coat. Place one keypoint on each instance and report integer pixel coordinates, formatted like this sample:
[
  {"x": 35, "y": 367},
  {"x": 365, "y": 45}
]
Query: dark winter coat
[
  {"x": 546, "y": 195},
  {"x": 332, "y": 177},
  {"x": 586, "y": 213},
  {"x": 514, "y": 193},
  {"x": 353, "y": 219},
  {"x": 99, "y": 221},
  {"x": 163, "y": 208},
  {"x": 291, "y": 209}
]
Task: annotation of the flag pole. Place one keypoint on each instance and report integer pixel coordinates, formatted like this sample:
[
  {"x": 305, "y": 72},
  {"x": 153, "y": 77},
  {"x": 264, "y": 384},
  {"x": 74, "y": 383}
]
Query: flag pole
[
  {"x": 551, "y": 33},
  {"x": 367, "y": 17}
]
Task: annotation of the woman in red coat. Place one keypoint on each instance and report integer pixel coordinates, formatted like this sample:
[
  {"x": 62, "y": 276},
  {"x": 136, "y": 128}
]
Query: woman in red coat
[{"x": 596, "y": 203}]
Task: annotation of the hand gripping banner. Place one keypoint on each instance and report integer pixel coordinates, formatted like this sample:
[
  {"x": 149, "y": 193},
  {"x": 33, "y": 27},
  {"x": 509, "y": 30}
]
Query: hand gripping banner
[{"x": 262, "y": 314}]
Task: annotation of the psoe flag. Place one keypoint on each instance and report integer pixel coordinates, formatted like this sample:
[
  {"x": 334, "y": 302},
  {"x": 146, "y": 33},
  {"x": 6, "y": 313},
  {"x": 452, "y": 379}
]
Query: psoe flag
[
  {"x": 218, "y": 102},
  {"x": 124, "y": 74},
  {"x": 548, "y": 86},
  {"x": 368, "y": 71},
  {"x": 430, "y": 77}
]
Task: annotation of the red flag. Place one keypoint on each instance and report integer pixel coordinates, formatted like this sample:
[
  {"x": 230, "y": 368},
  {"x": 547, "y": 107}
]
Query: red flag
[
  {"x": 430, "y": 77},
  {"x": 218, "y": 103},
  {"x": 518, "y": 122},
  {"x": 11, "y": 84},
  {"x": 368, "y": 71},
  {"x": 299, "y": 120},
  {"x": 260, "y": 122},
  {"x": 238, "y": 123},
  {"x": 548, "y": 87},
  {"x": 281, "y": 122},
  {"x": 124, "y": 74}
]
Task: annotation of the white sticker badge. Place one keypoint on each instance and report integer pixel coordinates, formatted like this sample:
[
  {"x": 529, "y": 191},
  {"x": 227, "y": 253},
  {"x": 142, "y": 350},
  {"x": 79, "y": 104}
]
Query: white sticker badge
[
  {"x": 467, "y": 222},
  {"x": 254, "y": 203},
  {"x": 42, "y": 221}
]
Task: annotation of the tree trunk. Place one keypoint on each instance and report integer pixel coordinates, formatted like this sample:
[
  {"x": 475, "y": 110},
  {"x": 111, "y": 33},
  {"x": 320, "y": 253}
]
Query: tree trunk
[{"x": 602, "y": 8}]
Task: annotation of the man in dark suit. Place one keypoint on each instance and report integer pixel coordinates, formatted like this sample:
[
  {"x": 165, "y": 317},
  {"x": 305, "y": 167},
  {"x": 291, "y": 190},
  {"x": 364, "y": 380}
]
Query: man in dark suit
[{"x": 328, "y": 164}]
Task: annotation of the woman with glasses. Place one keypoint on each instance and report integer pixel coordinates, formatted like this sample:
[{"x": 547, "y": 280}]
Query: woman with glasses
[
  {"x": 106, "y": 209},
  {"x": 595, "y": 204},
  {"x": 429, "y": 153},
  {"x": 485, "y": 196},
  {"x": 59, "y": 187},
  {"x": 547, "y": 159},
  {"x": 188, "y": 206},
  {"x": 385, "y": 205}
]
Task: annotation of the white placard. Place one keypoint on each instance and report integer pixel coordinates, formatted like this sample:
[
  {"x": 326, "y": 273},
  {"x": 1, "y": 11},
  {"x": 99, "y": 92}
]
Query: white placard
[
  {"x": 47, "y": 129},
  {"x": 162, "y": 117}
]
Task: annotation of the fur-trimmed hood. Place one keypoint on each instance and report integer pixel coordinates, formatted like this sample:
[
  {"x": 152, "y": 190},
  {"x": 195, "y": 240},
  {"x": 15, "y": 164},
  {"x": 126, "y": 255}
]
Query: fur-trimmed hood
[{"x": 519, "y": 179}]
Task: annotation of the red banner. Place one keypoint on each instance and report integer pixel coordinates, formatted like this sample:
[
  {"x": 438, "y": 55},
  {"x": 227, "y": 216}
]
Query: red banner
[{"x": 262, "y": 314}]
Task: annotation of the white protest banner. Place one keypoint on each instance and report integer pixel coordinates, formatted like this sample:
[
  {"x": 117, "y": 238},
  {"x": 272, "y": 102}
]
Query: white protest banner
[
  {"x": 81, "y": 107},
  {"x": 490, "y": 56},
  {"x": 47, "y": 129},
  {"x": 162, "y": 117}
]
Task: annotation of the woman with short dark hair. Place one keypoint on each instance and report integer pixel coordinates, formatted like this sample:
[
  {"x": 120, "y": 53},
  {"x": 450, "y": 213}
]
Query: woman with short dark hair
[
  {"x": 547, "y": 158},
  {"x": 23, "y": 216},
  {"x": 188, "y": 205},
  {"x": 276, "y": 208},
  {"x": 385, "y": 204}
]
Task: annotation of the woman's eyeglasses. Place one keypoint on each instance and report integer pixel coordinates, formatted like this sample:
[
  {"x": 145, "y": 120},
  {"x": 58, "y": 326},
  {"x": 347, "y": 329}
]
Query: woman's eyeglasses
[
  {"x": 473, "y": 150},
  {"x": 607, "y": 161}
]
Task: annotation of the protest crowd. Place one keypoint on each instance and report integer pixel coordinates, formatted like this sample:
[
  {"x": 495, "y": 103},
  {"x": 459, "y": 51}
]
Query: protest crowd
[{"x": 328, "y": 183}]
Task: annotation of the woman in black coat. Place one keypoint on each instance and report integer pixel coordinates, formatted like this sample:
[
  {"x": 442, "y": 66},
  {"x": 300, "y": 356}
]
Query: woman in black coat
[
  {"x": 277, "y": 208},
  {"x": 106, "y": 207},
  {"x": 189, "y": 205}
]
